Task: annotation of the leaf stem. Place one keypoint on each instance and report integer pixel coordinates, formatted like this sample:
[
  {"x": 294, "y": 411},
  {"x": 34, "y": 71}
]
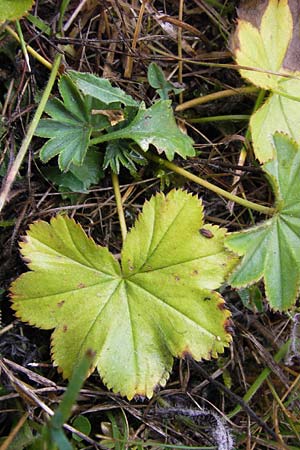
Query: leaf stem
[
  {"x": 13, "y": 170},
  {"x": 116, "y": 186},
  {"x": 234, "y": 198},
  {"x": 230, "y": 117},
  {"x": 30, "y": 50},
  {"x": 216, "y": 96},
  {"x": 23, "y": 44}
]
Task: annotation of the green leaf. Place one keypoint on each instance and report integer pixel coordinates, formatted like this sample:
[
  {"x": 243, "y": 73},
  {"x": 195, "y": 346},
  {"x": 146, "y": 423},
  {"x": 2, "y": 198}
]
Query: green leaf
[
  {"x": 101, "y": 89},
  {"x": 158, "y": 304},
  {"x": 78, "y": 178},
  {"x": 155, "y": 126},
  {"x": 271, "y": 250},
  {"x": 270, "y": 50},
  {"x": 69, "y": 128},
  {"x": 279, "y": 113},
  {"x": 158, "y": 81},
  {"x": 119, "y": 153},
  {"x": 14, "y": 9},
  {"x": 82, "y": 424}
]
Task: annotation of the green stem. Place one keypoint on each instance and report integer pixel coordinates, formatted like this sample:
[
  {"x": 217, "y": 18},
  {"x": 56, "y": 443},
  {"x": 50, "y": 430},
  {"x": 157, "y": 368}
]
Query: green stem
[
  {"x": 23, "y": 44},
  {"x": 30, "y": 50},
  {"x": 230, "y": 117},
  {"x": 216, "y": 96},
  {"x": 13, "y": 170},
  {"x": 234, "y": 198},
  {"x": 116, "y": 186},
  {"x": 108, "y": 137},
  {"x": 62, "y": 10}
]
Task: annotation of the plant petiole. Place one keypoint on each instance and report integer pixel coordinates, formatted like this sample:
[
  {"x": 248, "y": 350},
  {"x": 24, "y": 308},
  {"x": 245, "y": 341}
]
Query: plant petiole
[
  {"x": 216, "y": 96},
  {"x": 190, "y": 176},
  {"x": 30, "y": 50}
]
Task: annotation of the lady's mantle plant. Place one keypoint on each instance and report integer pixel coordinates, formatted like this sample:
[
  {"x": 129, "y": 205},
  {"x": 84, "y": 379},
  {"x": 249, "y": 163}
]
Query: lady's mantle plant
[{"x": 158, "y": 302}]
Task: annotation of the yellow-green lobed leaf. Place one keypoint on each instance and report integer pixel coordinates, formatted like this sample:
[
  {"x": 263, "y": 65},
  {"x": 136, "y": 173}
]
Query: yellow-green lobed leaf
[
  {"x": 270, "y": 48},
  {"x": 14, "y": 9},
  {"x": 264, "y": 49},
  {"x": 160, "y": 304},
  {"x": 272, "y": 250}
]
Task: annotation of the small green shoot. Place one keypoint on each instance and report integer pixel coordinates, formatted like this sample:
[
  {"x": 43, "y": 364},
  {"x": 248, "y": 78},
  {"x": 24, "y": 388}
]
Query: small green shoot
[
  {"x": 82, "y": 424},
  {"x": 158, "y": 81},
  {"x": 121, "y": 154}
]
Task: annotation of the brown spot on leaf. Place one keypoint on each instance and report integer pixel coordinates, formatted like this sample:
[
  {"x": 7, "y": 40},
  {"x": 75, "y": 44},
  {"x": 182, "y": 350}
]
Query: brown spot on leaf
[
  {"x": 81, "y": 285},
  {"x": 65, "y": 328},
  {"x": 26, "y": 260},
  {"x": 206, "y": 233},
  {"x": 221, "y": 306},
  {"x": 60, "y": 304},
  {"x": 177, "y": 278},
  {"x": 130, "y": 266},
  {"x": 195, "y": 272},
  {"x": 229, "y": 326},
  {"x": 90, "y": 353},
  {"x": 186, "y": 354}
]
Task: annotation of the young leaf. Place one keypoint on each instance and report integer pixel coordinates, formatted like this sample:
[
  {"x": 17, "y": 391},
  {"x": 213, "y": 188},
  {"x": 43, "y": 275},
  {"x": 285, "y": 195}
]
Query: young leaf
[
  {"x": 155, "y": 125},
  {"x": 14, "y": 9},
  {"x": 119, "y": 153},
  {"x": 271, "y": 250},
  {"x": 101, "y": 89},
  {"x": 158, "y": 304},
  {"x": 267, "y": 42},
  {"x": 158, "y": 81}
]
